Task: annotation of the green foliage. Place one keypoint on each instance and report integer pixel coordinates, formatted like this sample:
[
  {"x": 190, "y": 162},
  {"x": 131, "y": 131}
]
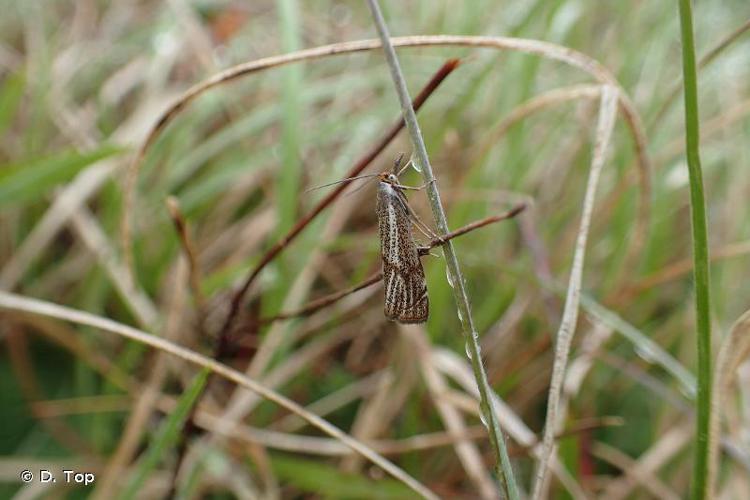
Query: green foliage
[
  {"x": 166, "y": 436},
  {"x": 11, "y": 93},
  {"x": 33, "y": 179},
  {"x": 311, "y": 476},
  {"x": 79, "y": 85}
]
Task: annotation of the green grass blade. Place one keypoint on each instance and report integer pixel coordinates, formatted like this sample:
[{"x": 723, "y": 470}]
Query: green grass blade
[
  {"x": 641, "y": 341},
  {"x": 329, "y": 482},
  {"x": 700, "y": 250},
  {"x": 291, "y": 169},
  {"x": 29, "y": 181},
  {"x": 10, "y": 98},
  {"x": 167, "y": 435}
]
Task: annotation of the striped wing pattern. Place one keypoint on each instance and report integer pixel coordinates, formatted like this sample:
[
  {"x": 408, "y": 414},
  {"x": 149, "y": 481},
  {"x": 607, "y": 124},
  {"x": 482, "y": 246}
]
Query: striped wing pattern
[{"x": 405, "y": 286}]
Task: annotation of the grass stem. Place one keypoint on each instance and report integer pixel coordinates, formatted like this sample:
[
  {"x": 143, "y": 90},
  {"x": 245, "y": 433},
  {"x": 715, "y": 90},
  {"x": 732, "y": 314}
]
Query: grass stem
[
  {"x": 563, "y": 340},
  {"x": 700, "y": 251},
  {"x": 504, "y": 470}
]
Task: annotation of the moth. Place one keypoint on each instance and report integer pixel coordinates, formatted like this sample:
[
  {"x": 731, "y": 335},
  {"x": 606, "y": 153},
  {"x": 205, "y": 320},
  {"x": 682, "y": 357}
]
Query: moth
[
  {"x": 405, "y": 286},
  {"x": 404, "y": 282}
]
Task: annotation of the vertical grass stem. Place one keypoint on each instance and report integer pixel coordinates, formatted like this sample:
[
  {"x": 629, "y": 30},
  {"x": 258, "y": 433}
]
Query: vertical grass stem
[
  {"x": 700, "y": 251},
  {"x": 504, "y": 470}
]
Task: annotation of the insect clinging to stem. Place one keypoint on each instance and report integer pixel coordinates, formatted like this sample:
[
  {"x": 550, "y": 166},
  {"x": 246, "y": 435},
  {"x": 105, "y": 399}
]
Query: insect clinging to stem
[
  {"x": 404, "y": 282},
  {"x": 405, "y": 286}
]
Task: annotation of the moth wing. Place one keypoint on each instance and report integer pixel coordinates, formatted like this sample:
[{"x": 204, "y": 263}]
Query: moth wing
[
  {"x": 403, "y": 276},
  {"x": 406, "y": 299}
]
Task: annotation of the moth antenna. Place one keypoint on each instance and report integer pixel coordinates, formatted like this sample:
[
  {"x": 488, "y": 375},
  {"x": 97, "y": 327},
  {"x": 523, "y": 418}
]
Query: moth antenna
[
  {"x": 353, "y": 191},
  {"x": 348, "y": 179}
]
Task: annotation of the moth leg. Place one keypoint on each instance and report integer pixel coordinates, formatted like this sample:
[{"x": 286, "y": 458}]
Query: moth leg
[
  {"x": 423, "y": 228},
  {"x": 400, "y": 171},
  {"x": 415, "y": 188},
  {"x": 423, "y": 251}
]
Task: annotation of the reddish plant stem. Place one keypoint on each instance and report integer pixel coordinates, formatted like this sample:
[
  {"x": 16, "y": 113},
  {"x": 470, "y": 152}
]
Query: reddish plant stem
[
  {"x": 318, "y": 304},
  {"x": 279, "y": 246},
  {"x": 475, "y": 225},
  {"x": 182, "y": 228},
  {"x": 223, "y": 340}
]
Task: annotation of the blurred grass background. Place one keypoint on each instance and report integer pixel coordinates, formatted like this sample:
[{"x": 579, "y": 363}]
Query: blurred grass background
[{"x": 83, "y": 82}]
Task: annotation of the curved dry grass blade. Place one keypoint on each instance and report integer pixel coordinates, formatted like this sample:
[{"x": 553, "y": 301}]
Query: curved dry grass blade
[
  {"x": 543, "y": 49},
  {"x": 564, "y": 337},
  {"x": 643, "y": 161},
  {"x": 229, "y": 75},
  {"x": 531, "y": 106},
  {"x": 19, "y": 303},
  {"x": 367, "y": 158},
  {"x": 734, "y": 349}
]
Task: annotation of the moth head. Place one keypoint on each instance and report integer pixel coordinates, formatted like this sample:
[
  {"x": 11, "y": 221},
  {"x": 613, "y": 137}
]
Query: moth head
[{"x": 388, "y": 177}]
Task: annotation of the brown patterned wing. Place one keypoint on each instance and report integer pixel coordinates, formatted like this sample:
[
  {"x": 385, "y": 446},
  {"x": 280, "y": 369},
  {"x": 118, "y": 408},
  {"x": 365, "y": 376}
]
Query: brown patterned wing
[
  {"x": 406, "y": 299},
  {"x": 404, "y": 282}
]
